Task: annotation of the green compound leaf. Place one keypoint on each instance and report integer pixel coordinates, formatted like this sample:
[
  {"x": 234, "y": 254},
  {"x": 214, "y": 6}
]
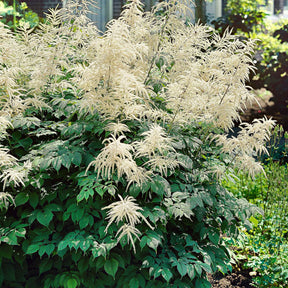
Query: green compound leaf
[
  {"x": 48, "y": 249},
  {"x": 85, "y": 193},
  {"x": 111, "y": 267}
]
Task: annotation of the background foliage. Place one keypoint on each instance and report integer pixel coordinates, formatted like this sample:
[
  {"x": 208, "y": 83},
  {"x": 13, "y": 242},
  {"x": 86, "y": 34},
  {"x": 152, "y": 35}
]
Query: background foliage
[
  {"x": 17, "y": 15},
  {"x": 247, "y": 19},
  {"x": 264, "y": 248}
]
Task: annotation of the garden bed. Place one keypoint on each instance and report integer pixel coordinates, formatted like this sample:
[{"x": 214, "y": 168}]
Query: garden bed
[{"x": 237, "y": 279}]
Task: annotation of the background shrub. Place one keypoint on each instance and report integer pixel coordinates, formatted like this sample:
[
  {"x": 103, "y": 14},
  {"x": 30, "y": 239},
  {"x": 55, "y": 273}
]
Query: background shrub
[
  {"x": 17, "y": 15},
  {"x": 264, "y": 248},
  {"x": 246, "y": 19}
]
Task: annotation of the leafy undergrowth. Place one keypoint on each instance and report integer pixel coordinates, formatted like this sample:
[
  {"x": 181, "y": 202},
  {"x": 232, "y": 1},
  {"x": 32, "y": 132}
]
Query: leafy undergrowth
[{"x": 264, "y": 248}]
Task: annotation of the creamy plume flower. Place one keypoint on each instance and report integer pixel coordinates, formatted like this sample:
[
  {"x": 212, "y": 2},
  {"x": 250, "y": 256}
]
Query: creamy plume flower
[
  {"x": 5, "y": 200},
  {"x": 128, "y": 212},
  {"x": 117, "y": 156},
  {"x": 155, "y": 141},
  {"x": 163, "y": 163},
  {"x": 117, "y": 128},
  {"x": 125, "y": 210},
  {"x": 5, "y": 158},
  {"x": 249, "y": 142},
  {"x": 16, "y": 175},
  {"x": 129, "y": 231}
]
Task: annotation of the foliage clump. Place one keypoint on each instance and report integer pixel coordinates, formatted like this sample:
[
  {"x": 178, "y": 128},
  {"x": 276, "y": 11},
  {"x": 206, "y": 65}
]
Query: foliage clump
[
  {"x": 264, "y": 248},
  {"x": 140, "y": 113}
]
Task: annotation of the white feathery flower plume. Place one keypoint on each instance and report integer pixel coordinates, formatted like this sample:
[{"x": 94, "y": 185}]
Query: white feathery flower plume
[
  {"x": 249, "y": 142},
  {"x": 128, "y": 212},
  {"x": 155, "y": 140},
  {"x": 16, "y": 175},
  {"x": 117, "y": 128},
  {"x": 5, "y": 200},
  {"x": 157, "y": 146},
  {"x": 117, "y": 156}
]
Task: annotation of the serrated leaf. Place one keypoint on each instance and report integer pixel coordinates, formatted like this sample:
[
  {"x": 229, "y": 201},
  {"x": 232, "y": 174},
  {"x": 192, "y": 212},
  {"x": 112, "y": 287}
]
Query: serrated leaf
[
  {"x": 71, "y": 283},
  {"x": 45, "y": 163},
  {"x": 182, "y": 269},
  {"x": 85, "y": 245},
  {"x": 10, "y": 239},
  {"x": 135, "y": 190},
  {"x": 134, "y": 283},
  {"x": 143, "y": 242},
  {"x": 214, "y": 237},
  {"x": 153, "y": 240},
  {"x": 85, "y": 193},
  {"x": 84, "y": 222},
  {"x": 198, "y": 269},
  {"x": 45, "y": 265},
  {"x": 44, "y": 217},
  {"x": 34, "y": 200},
  {"x": 191, "y": 272},
  {"x": 207, "y": 199},
  {"x": 56, "y": 163},
  {"x": 166, "y": 274},
  {"x": 77, "y": 158},
  {"x": 77, "y": 215},
  {"x": 153, "y": 243},
  {"x": 206, "y": 267},
  {"x": 66, "y": 160},
  {"x": 160, "y": 186},
  {"x": 111, "y": 267},
  {"x": 195, "y": 201},
  {"x": 21, "y": 198},
  {"x": 63, "y": 244},
  {"x": 32, "y": 248},
  {"x": 99, "y": 189}
]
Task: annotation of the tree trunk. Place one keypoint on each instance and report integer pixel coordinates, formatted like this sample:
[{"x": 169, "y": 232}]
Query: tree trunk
[{"x": 200, "y": 11}]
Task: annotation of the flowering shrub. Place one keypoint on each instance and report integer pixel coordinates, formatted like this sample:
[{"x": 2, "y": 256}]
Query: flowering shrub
[{"x": 113, "y": 146}]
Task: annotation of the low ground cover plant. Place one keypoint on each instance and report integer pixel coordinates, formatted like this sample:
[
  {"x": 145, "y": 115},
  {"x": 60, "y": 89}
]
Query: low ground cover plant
[
  {"x": 113, "y": 146},
  {"x": 265, "y": 247}
]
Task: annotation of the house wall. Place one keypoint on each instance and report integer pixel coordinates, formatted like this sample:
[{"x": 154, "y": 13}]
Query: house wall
[{"x": 213, "y": 10}]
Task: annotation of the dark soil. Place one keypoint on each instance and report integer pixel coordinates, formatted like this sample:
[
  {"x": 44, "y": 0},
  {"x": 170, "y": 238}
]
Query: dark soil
[{"x": 237, "y": 279}]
